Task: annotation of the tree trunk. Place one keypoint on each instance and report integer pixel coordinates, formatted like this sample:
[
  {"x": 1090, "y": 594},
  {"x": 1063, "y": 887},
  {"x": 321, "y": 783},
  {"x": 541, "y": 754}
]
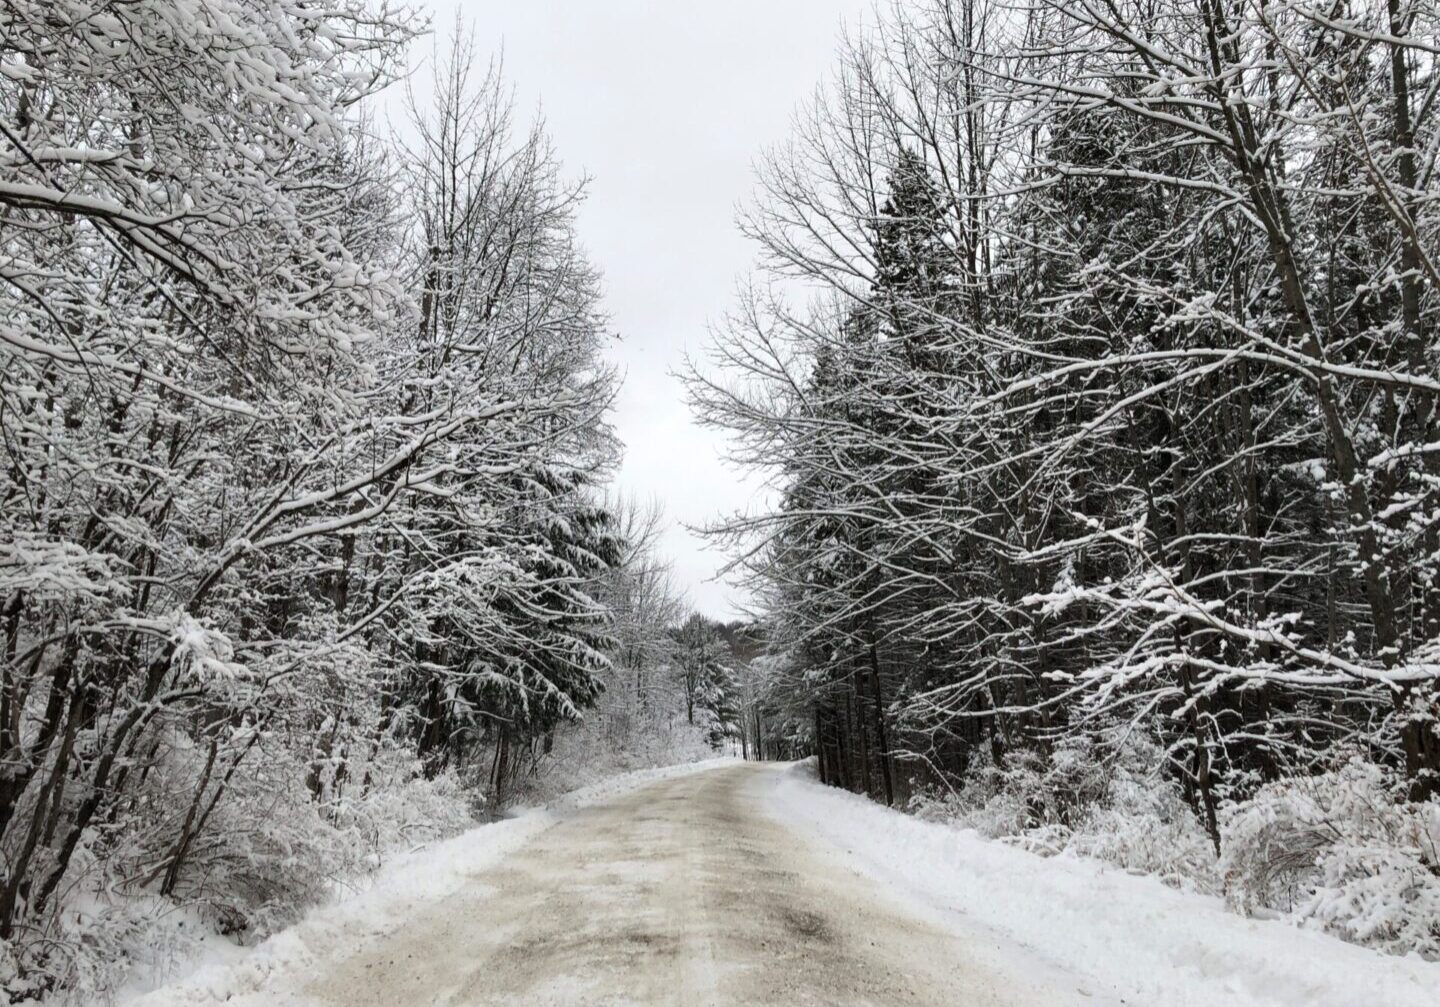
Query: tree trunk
[{"x": 880, "y": 738}]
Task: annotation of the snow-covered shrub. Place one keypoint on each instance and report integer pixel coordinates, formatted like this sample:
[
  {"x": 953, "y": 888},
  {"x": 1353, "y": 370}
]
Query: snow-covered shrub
[
  {"x": 406, "y": 809},
  {"x": 1089, "y": 797},
  {"x": 101, "y": 938},
  {"x": 269, "y": 851},
  {"x": 1139, "y": 820},
  {"x": 616, "y": 737},
  {"x": 273, "y": 849},
  {"x": 989, "y": 799},
  {"x": 1154, "y": 832},
  {"x": 1343, "y": 851}
]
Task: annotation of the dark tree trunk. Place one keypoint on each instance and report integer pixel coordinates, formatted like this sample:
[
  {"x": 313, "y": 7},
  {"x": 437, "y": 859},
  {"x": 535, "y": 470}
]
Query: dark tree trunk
[{"x": 880, "y": 738}]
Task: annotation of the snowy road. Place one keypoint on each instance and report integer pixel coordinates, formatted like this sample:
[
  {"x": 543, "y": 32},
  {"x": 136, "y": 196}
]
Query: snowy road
[
  {"x": 730, "y": 883},
  {"x": 684, "y": 892}
]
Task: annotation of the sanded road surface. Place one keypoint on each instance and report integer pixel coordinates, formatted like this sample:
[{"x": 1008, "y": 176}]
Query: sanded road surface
[{"x": 685, "y": 892}]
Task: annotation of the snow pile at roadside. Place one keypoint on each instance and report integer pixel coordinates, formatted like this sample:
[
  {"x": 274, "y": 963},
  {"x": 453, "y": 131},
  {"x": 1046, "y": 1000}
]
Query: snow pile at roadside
[
  {"x": 1140, "y": 940},
  {"x": 392, "y": 894}
]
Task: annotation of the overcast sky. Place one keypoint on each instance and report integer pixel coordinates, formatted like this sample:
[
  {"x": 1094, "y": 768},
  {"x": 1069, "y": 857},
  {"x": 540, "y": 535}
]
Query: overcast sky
[{"x": 666, "y": 104}]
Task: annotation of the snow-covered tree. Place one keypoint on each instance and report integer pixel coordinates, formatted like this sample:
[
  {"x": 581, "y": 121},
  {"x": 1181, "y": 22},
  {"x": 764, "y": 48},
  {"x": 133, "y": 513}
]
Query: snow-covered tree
[
  {"x": 1092, "y": 358},
  {"x": 304, "y": 437}
]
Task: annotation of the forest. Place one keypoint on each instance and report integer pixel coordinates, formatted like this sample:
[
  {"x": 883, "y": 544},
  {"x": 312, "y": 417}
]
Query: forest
[
  {"x": 1092, "y": 363},
  {"x": 307, "y": 542}
]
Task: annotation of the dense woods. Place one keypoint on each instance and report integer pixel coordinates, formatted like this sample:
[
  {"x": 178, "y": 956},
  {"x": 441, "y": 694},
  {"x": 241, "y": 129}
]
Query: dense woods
[
  {"x": 1091, "y": 356},
  {"x": 305, "y": 551},
  {"x": 1092, "y": 359}
]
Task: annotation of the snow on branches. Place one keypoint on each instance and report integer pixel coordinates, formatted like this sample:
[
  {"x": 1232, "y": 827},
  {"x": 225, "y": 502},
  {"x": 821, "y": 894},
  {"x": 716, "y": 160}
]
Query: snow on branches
[
  {"x": 301, "y": 434},
  {"x": 1093, "y": 358}
]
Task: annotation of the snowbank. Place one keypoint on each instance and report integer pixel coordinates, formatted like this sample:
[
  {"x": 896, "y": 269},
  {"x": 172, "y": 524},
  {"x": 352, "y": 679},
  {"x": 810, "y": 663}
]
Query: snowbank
[
  {"x": 392, "y": 894},
  {"x": 1132, "y": 936}
]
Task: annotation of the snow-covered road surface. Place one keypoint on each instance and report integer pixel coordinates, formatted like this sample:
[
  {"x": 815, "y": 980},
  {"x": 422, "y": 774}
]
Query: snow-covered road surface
[
  {"x": 685, "y": 892},
  {"x": 1132, "y": 938},
  {"x": 731, "y": 883}
]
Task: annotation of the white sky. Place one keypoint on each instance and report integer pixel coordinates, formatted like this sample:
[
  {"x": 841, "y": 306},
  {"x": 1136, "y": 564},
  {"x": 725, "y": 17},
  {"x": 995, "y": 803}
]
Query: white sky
[{"x": 666, "y": 103}]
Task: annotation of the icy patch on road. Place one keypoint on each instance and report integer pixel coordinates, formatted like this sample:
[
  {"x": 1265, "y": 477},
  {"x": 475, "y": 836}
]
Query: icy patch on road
[
  {"x": 391, "y": 895},
  {"x": 1132, "y": 937}
]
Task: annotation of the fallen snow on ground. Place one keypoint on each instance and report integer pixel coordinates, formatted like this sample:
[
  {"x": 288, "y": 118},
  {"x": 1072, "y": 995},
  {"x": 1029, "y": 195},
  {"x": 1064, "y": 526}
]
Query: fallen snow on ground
[
  {"x": 1132, "y": 936},
  {"x": 598, "y": 793},
  {"x": 386, "y": 899}
]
